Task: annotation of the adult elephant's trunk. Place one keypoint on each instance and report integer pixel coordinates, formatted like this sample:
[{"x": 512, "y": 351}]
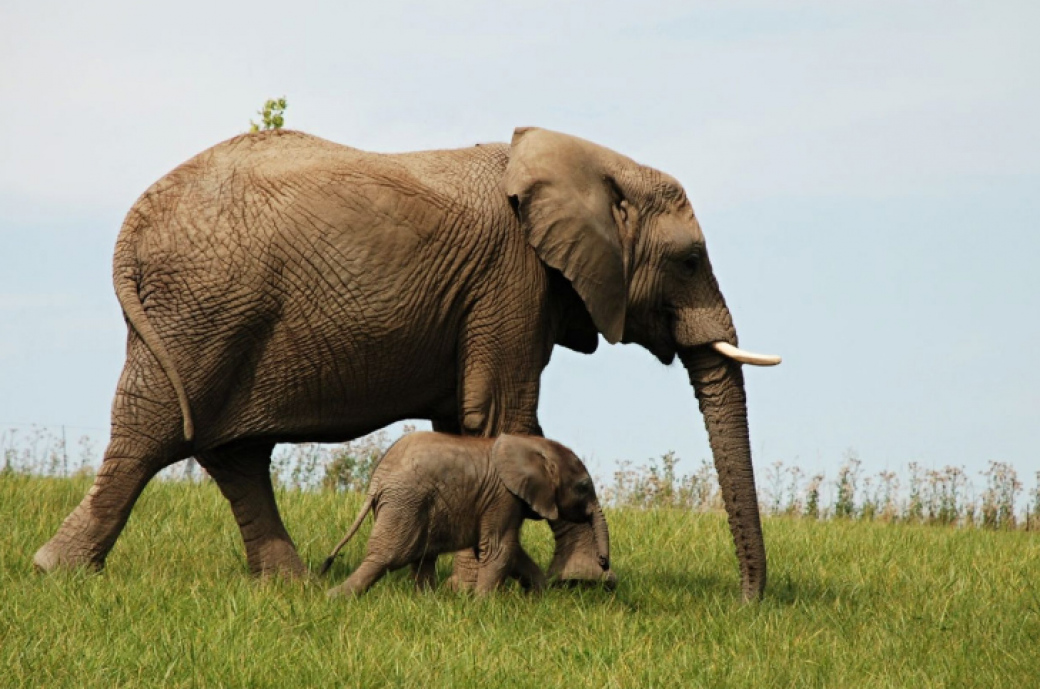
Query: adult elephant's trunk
[
  {"x": 602, "y": 536},
  {"x": 719, "y": 385}
]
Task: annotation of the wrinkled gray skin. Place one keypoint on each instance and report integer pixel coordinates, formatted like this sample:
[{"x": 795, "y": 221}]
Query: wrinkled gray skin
[
  {"x": 282, "y": 288},
  {"x": 434, "y": 493}
]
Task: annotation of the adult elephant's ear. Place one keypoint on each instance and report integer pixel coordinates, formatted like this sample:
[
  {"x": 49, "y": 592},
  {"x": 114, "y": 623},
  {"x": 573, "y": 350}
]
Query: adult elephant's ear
[
  {"x": 526, "y": 473},
  {"x": 564, "y": 195}
]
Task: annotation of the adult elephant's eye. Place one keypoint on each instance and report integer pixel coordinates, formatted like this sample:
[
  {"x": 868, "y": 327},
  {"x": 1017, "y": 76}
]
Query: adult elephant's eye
[{"x": 692, "y": 262}]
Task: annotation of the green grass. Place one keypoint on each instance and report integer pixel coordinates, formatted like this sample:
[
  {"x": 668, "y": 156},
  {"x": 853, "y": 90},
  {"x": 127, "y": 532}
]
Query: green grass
[{"x": 849, "y": 604}]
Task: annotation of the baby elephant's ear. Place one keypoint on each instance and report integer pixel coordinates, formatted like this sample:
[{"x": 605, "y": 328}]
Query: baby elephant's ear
[{"x": 526, "y": 473}]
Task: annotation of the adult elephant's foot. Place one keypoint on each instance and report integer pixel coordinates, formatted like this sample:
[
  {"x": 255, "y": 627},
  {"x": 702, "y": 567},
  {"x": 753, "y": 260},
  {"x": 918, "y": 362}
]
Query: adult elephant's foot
[
  {"x": 575, "y": 560},
  {"x": 83, "y": 540},
  {"x": 275, "y": 557},
  {"x": 60, "y": 554},
  {"x": 243, "y": 474},
  {"x": 87, "y": 535}
]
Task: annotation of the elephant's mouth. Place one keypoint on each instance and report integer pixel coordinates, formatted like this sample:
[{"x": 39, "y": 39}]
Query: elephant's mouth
[{"x": 693, "y": 328}]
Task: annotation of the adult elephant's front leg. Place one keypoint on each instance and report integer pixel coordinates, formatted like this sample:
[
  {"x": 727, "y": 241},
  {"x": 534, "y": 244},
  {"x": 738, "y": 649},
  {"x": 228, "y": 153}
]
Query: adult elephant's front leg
[{"x": 243, "y": 474}]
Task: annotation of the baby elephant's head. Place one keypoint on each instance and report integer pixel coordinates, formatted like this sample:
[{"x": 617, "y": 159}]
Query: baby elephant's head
[{"x": 553, "y": 482}]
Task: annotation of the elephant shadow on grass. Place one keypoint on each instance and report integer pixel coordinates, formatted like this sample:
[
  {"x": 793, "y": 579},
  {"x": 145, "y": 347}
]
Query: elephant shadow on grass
[
  {"x": 402, "y": 580},
  {"x": 665, "y": 589},
  {"x": 788, "y": 590},
  {"x": 660, "y": 588},
  {"x": 344, "y": 567}
]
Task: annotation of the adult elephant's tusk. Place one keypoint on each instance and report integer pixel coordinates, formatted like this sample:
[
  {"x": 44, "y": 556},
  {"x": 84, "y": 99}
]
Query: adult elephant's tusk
[{"x": 737, "y": 354}]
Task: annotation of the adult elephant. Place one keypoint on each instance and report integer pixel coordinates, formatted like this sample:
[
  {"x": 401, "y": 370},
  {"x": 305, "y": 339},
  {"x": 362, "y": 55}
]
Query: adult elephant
[{"x": 282, "y": 288}]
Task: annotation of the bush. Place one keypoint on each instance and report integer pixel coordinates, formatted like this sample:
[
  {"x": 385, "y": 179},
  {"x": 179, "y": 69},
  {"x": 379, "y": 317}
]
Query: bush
[{"x": 944, "y": 497}]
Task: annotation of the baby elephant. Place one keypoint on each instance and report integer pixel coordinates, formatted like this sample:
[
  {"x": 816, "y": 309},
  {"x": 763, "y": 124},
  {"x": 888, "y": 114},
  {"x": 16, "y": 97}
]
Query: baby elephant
[{"x": 433, "y": 493}]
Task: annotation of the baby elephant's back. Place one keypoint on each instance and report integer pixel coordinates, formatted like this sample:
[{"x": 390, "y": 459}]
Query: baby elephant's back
[{"x": 442, "y": 477}]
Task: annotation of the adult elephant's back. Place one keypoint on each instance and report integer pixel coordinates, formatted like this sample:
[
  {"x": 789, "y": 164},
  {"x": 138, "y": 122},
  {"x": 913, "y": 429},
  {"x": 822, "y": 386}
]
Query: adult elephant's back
[{"x": 303, "y": 289}]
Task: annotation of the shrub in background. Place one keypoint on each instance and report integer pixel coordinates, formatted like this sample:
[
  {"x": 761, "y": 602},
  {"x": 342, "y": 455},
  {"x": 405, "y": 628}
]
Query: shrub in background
[{"x": 944, "y": 497}]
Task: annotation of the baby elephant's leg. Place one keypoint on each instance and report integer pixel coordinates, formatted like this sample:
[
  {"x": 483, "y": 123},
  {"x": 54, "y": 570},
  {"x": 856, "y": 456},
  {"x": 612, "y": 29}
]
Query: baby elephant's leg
[
  {"x": 387, "y": 550},
  {"x": 425, "y": 573},
  {"x": 495, "y": 566},
  {"x": 368, "y": 572},
  {"x": 464, "y": 571}
]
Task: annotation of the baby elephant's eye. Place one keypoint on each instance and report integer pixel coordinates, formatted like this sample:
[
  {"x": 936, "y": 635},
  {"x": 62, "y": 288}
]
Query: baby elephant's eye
[{"x": 584, "y": 486}]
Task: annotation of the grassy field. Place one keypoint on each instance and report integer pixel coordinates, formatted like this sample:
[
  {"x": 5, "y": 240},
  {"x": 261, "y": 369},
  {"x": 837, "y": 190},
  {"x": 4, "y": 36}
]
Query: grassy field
[{"x": 849, "y": 603}]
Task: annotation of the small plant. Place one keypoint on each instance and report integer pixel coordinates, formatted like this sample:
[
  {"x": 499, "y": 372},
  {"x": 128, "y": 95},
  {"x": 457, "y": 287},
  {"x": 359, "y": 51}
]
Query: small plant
[
  {"x": 848, "y": 475},
  {"x": 783, "y": 490},
  {"x": 943, "y": 495},
  {"x": 1033, "y": 513},
  {"x": 793, "y": 505},
  {"x": 42, "y": 452},
  {"x": 887, "y": 491},
  {"x": 868, "y": 510},
  {"x": 351, "y": 464},
  {"x": 699, "y": 490},
  {"x": 812, "y": 497},
  {"x": 775, "y": 489},
  {"x": 658, "y": 484},
  {"x": 915, "y": 507},
  {"x": 998, "y": 500},
  {"x": 272, "y": 115}
]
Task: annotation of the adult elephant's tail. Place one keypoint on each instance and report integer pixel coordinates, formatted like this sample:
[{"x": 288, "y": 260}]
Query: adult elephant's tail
[
  {"x": 365, "y": 509},
  {"x": 126, "y": 277}
]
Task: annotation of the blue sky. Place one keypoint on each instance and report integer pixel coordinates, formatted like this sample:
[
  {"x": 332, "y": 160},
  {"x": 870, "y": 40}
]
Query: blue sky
[{"x": 866, "y": 173}]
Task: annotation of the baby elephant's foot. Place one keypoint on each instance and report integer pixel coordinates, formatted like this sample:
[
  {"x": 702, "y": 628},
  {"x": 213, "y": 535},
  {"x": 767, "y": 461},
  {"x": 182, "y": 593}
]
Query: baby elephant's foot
[
  {"x": 361, "y": 580},
  {"x": 344, "y": 590},
  {"x": 533, "y": 583},
  {"x": 463, "y": 572},
  {"x": 528, "y": 574}
]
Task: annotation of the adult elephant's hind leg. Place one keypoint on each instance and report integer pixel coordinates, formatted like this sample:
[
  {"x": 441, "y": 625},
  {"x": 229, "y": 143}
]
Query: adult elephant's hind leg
[
  {"x": 146, "y": 437},
  {"x": 89, "y": 532},
  {"x": 243, "y": 474}
]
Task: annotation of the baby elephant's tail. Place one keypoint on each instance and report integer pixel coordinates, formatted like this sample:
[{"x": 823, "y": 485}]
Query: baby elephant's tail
[{"x": 365, "y": 509}]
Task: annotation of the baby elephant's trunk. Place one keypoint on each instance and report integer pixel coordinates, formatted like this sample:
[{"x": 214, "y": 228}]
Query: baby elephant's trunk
[
  {"x": 602, "y": 536},
  {"x": 365, "y": 509}
]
